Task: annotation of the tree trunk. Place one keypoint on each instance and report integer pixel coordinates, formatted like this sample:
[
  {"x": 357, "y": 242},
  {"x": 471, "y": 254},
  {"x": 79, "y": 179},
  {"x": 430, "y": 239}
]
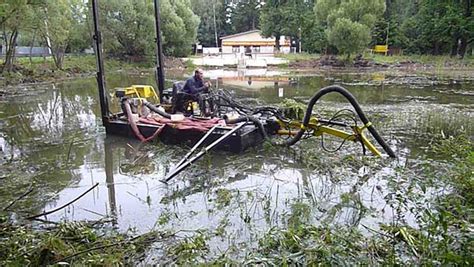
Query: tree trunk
[
  {"x": 10, "y": 53},
  {"x": 277, "y": 43},
  {"x": 454, "y": 47},
  {"x": 436, "y": 48},
  {"x": 462, "y": 47},
  {"x": 215, "y": 23},
  {"x": 58, "y": 57},
  {"x": 297, "y": 44},
  {"x": 464, "y": 38}
]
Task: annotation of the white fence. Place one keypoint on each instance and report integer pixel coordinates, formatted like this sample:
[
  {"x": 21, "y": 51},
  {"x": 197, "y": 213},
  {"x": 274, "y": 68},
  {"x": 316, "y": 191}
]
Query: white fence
[{"x": 25, "y": 51}]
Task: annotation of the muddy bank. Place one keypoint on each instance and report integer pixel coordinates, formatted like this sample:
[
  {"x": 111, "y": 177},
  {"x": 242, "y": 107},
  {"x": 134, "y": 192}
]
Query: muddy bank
[{"x": 448, "y": 68}]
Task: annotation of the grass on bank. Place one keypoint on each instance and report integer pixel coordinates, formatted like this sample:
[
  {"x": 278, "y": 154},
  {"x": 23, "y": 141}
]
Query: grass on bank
[
  {"x": 299, "y": 56},
  {"x": 79, "y": 63},
  {"x": 443, "y": 60},
  {"x": 438, "y": 61},
  {"x": 42, "y": 69}
]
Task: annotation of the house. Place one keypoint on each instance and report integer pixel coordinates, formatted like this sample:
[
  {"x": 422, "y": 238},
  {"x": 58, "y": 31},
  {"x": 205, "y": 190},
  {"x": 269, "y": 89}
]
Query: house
[{"x": 252, "y": 42}]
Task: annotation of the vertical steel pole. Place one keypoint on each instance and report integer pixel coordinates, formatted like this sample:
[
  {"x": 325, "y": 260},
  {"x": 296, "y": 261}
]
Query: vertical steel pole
[
  {"x": 104, "y": 104},
  {"x": 160, "y": 72}
]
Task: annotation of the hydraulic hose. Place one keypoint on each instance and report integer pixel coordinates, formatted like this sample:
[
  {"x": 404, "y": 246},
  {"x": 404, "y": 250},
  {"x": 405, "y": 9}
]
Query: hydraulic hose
[
  {"x": 156, "y": 110},
  {"x": 354, "y": 103},
  {"x": 255, "y": 121}
]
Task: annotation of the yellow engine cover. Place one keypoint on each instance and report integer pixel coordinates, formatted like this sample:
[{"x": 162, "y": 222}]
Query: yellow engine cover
[{"x": 142, "y": 91}]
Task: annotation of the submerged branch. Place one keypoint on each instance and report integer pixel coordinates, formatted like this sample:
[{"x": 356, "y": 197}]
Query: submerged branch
[
  {"x": 30, "y": 189},
  {"x": 63, "y": 206}
]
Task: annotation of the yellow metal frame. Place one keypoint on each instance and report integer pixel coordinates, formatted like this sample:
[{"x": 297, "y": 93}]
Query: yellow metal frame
[
  {"x": 142, "y": 91},
  {"x": 318, "y": 130}
]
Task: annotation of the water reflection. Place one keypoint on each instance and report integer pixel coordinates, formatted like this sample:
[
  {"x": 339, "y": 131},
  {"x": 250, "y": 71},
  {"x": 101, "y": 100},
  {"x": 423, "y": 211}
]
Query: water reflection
[
  {"x": 56, "y": 132},
  {"x": 109, "y": 174}
]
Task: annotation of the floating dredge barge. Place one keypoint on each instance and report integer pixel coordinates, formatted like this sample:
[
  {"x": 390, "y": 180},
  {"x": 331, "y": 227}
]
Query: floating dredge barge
[{"x": 215, "y": 119}]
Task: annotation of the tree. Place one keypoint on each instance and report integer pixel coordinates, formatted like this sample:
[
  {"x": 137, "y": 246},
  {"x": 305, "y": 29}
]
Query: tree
[
  {"x": 314, "y": 39},
  {"x": 390, "y": 26},
  {"x": 245, "y": 15},
  {"x": 80, "y": 34},
  {"x": 271, "y": 21},
  {"x": 349, "y": 36},
  {"x": 286, "y": 17},
  {"x": 15, "y": 15},
  {"x": 444, "y": 26},
  {"x": 339, "y": 16},
  {"x": 130, "y": 29},
  {"x": 56, "y": 21},
  {"x": 213, "y": 21},
  {"x": 182, "y": 45}
]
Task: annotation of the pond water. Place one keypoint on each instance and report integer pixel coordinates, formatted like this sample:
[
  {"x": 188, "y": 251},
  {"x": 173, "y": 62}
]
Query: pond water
[{"x": 51, "y": 138}]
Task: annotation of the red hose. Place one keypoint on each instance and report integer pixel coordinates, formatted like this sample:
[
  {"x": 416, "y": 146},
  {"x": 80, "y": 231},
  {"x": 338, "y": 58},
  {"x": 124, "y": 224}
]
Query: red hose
[{"x": 134, "y": 126}]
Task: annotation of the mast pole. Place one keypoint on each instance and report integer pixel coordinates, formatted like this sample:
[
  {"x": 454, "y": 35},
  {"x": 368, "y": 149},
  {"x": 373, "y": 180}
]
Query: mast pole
[
  {"x": 160, "y": 72},
  {"x": 104, "y": 105}
]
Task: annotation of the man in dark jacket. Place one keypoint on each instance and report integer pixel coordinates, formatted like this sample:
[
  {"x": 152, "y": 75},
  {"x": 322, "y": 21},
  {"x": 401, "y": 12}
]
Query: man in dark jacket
[{"x": 196, "y": 85}]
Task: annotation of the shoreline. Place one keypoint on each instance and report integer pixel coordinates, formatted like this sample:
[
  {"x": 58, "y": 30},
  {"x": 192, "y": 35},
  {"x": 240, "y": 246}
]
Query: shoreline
[{"x": 42, "y": 74}]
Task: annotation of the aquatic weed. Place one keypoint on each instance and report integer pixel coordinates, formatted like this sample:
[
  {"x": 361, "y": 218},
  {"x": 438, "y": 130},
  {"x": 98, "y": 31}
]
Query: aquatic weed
[{"x": 223, "y": 197}]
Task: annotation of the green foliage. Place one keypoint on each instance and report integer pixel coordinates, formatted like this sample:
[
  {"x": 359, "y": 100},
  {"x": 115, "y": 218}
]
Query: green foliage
[
  {"x": 314, "y": 39},
  {"x": 22, "y": 246},
  {"x": 189, "y": 65},
  {"x": 292, "y": 109},
  {"x": 54, "y": 22},
  {"x": 181, "y": 44},
  {"x": 427, "y": 26},
  {"x": 189, "y": 250},
  {"x": 130, "y": 30},
  {"x": 287, "y": 18},
  {"x": 349, "y": 22},
  {"x": 460, "y": 153},
  {"x": 349, "y": 37},
  {"x": 128, "y": 27},
  {"x": 208, "y": 28},
  {"x": 245, "y": 15},
  {"x": 15, "y": 16},
  {"x": 223, "y": 197},
  {"x": 311, "y": 245},
  {"x": 440, "y": 23},
  {"x": 271, "y": 19}
]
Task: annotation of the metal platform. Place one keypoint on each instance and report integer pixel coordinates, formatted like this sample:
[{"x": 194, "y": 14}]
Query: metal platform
[{"x": 247, "y": 136}]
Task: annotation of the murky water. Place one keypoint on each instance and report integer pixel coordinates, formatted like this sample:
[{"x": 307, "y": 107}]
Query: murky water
[{"x": 51, "y": 137}]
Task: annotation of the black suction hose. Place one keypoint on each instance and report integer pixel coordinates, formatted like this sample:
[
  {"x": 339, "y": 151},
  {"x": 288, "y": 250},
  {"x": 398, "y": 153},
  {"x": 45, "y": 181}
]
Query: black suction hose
[
  {"x": 354, "y": 103},
  {"x": 157, "y": 110},
  {"x": 255, "y": 121}
]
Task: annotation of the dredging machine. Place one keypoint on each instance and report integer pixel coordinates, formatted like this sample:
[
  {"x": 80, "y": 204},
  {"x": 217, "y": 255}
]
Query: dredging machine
[{"x": 216, "y": 120}]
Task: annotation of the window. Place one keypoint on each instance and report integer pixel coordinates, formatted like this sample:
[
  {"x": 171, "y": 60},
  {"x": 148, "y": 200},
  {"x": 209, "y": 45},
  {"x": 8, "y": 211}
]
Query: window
[
  {"x": 235, "y": 49},
  {"x": 256, "y": 49}
]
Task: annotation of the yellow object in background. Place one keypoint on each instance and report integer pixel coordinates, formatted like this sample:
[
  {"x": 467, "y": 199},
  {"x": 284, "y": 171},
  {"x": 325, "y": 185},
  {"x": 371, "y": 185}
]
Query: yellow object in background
[{"x": 381, "y": 49}]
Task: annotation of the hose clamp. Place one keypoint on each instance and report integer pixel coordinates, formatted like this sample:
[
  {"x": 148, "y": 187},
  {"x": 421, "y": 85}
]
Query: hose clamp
[{"x": 367, "y": 125}]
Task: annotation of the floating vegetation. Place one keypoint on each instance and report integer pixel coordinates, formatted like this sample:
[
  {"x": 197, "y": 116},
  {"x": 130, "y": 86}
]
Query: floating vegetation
[
  {"x": 268, "y": 206},
  {"x": 77, "y": 243},
  {"x": 224, "y": 196}
]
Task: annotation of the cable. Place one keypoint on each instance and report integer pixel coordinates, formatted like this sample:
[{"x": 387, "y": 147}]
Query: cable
[{"x": 335, "y": 150}]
